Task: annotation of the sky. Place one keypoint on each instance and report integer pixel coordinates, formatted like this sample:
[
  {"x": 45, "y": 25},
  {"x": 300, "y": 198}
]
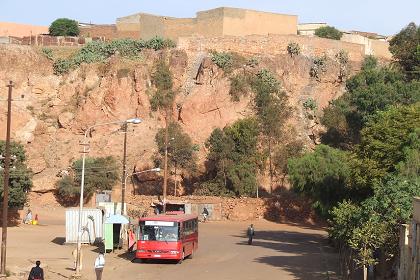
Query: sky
[{"x": 385, "y": 17}]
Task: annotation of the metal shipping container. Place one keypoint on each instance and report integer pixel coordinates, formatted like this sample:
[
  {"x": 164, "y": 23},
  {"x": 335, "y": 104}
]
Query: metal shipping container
[{"x": 92, "y": 225}]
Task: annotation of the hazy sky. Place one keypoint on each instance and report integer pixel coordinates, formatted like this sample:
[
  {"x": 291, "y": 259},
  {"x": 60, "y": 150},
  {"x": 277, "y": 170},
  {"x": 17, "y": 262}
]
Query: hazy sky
[{"x": 381, "y": 16}]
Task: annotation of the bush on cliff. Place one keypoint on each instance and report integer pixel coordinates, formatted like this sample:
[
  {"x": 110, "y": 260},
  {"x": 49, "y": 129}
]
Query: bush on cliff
[
  {"x": 64, "y": 27},
  {"x": 97, "y": 51},
  {"x": 329, "y": 32}
]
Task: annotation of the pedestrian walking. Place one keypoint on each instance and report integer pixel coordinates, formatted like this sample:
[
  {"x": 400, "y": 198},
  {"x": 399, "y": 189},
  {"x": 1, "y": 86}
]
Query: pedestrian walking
[
  {"x": 37, "y": 273},
  {"x": 99, "y": 266},
  {"x": 250, "y": 232},
  {"x": 205, "y": 214}
]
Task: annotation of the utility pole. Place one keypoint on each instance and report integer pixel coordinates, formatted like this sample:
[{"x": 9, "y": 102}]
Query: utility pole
[
  {"x": 125, "y": 125},
  {"x": 6, "y": 182},
  {"x": 165, "y": 171}
]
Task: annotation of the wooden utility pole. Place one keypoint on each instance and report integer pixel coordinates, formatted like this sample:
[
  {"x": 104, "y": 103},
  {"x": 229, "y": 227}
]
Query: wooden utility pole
[
  {"x": 6, "y": 182},
  {"x": 165, "y": 171}
]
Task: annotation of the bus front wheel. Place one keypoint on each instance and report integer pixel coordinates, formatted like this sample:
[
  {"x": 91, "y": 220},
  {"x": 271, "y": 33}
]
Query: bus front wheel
[{"x": 182, "y": 258}]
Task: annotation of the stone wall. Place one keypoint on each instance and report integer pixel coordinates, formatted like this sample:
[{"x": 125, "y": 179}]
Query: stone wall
[
  {"x": 272, "y": 45},
  {"x": 46, "y": 40}
]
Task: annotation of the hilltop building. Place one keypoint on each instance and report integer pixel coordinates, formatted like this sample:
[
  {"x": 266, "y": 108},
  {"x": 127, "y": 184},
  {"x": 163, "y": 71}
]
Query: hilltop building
[{"x": 211, "y": 23}]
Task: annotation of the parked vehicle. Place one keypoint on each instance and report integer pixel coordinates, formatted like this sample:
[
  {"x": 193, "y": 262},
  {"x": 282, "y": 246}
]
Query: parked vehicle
[{"x": 169, "y": 236}]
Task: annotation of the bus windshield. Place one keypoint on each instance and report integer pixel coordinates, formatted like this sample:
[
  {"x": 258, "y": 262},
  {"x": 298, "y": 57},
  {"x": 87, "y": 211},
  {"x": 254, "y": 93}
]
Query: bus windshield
[{"x": 159, "y": 231}]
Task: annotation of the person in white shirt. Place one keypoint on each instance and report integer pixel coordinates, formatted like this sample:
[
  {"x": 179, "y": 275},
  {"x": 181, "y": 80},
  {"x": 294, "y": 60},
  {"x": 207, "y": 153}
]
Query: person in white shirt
[{"x": 99, "y": 266}]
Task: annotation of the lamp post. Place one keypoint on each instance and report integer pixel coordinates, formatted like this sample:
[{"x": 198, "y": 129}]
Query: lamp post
[{"x": 82, "y": 183}]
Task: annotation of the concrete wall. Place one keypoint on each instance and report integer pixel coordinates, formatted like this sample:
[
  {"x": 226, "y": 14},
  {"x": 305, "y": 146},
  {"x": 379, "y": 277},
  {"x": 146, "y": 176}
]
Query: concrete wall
[
  {"x": 210, "y": 23},
  {"x": 151, "y": 26},
  {"x": 308, "y": 29},
  {"x": 273, "y": 45},
  {"x": 175, "y": 28},
  {"x": 239, "y": 22},
  {"x": 372, "y": 47},
  {"x": 21, "y": 30}
]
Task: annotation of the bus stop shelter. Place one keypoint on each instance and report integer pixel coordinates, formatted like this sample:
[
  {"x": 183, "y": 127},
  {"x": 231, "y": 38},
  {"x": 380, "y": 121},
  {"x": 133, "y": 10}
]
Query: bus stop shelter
[{"x": 113, "y": 231}]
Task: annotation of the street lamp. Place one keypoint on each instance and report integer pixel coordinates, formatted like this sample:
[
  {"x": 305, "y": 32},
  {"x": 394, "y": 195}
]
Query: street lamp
[
  {"x": 82, "y": 183},
  {"x": 157, "y": 169}
]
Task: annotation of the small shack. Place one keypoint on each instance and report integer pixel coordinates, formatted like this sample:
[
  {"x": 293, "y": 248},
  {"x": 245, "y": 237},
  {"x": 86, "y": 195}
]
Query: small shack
[
  {"x": 92, "y": 229},
  {"x": 114, "y": 231}
]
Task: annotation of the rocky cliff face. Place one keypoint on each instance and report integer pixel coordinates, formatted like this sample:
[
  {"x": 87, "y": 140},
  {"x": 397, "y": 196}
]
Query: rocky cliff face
[{"x": 51, "y": 113}]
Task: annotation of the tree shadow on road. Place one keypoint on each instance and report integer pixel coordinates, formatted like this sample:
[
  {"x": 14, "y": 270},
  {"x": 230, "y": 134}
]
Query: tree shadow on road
[{"x": 305, "y": 255}]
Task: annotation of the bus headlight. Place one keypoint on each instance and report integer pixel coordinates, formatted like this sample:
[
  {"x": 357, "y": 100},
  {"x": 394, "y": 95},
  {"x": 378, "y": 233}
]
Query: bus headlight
[
  {"x": 174, "y": 252},
  {"x": 141, "y": 251}
]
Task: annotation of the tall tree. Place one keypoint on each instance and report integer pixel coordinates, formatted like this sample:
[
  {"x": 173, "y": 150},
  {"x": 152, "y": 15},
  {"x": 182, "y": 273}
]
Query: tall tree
[
  {"x": 181, "y": 151},
  {"x": 233, "y": 158},
  {"x": 270, "y": 104},
  {"x": 163, "y": 100},
  {"x": 404, "y": 47}
]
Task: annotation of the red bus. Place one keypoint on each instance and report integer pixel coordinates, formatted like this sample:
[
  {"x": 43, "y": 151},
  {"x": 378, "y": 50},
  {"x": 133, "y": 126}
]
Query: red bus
[{"x": 172, "y": 237}]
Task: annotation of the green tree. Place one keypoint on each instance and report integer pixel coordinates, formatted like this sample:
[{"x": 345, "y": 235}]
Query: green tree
[
  {"x": 404, "y": 48},
  {"x": 323, "y": 175},
  {"x": 270, "y": 104},
  {"x": 64, "y": 27},
  {"x": 181, "y": 151},
  {"x": 233, "y": 158},
  {"x": 100, "y": 174},
  {"x": 384, "y": 139},
  {"x": 371, "y": 90},
  {"x": 20, "y": 177},
  {"x": 329, "y": 32}
]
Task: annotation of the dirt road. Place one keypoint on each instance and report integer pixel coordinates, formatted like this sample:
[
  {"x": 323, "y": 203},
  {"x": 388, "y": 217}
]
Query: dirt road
[{"x": 279, "y": 252}]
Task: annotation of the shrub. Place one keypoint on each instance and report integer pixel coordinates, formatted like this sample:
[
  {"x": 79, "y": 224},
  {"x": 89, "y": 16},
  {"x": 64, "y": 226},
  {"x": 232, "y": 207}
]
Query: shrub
[
  {"x": 62, "y": 66},
  {"x": 223, "y": 60},
  {"x": 239, "y": 86},
  {"x": 64, "y": 27},
  {"x": 48, "y": 53},
  {"x": 343, "y": 59},
  {"x": 293, "y": 49},
  {"x": 252, "y": 62},
  {"x": 329, "y": 32},
  {"x": 97, "y": 51},
  {"x": 318, "y": 67},
  {"x": 310, "y": 104}
]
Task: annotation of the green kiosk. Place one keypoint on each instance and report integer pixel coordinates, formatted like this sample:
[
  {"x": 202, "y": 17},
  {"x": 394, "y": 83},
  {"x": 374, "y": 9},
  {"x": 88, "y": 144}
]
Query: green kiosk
[{"x": 113, "y": 229}]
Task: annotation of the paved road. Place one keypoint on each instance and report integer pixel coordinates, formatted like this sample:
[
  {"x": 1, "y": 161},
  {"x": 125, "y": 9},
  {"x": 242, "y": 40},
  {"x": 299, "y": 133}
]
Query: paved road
[{"x": 279, "y": 252}]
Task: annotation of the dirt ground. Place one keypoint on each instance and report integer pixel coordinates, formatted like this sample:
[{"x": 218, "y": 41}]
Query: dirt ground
[{"x": 279, "y": 251}]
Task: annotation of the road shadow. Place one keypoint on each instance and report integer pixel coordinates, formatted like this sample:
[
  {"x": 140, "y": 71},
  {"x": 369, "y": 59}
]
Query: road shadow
[
  {"x": 306, "y": 255},
  {"x": 59, "y": 240}
]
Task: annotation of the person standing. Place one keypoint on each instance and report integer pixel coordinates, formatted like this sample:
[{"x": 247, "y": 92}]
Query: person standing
[
  {"x": 250, "y": 232},
  {"x": 37, "y": 273},
  {"x": 99, "y": 266},
  {"x": 28, "y": 218}
]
